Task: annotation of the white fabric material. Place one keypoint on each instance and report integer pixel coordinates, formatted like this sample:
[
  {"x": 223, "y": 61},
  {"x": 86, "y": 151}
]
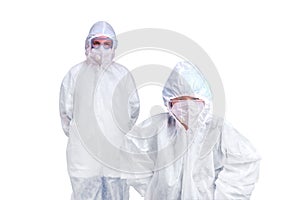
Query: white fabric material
[
  {"x": 187, "y": 112},
  {"x": 100, "y": 28},
  {"x": 101, "y": 56},
  {"x": 66, "y": 97},
  {"x": 186, "y": 80},
  {"x": 95, "y": 83},
  {"x": 211, "y": 161},
  {"x": 95, "y": 188},
  {"x": 221, "y": 165}
]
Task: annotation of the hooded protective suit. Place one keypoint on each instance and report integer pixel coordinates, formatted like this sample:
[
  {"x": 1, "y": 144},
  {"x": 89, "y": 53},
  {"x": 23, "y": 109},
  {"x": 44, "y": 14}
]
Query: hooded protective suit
[
  {"x": 94, "y": 96},
  {"x": 209, "y": 160}
]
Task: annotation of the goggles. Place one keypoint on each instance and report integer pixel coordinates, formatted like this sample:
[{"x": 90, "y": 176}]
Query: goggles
[
  {"x": 106, "y": 42},
  {"x": 184, "y": 98}
]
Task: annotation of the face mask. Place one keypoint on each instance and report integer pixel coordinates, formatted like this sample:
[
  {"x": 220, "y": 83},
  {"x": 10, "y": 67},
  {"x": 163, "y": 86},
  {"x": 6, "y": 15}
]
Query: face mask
[
  {"x": 101, "y": 55},
  {"x": 187, "y": 111}
]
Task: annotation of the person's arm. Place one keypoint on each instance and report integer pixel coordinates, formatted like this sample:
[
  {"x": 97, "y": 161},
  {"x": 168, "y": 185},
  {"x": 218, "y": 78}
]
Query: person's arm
[
  {"x": 139, "y": 162},
  {"x": 240, "y": 166},
  {"x": 133, "y": 101},
  {"x": 66, "y": 98},
  {"x": 144, "y": 151},
  {"x": 126, "y": 103}
]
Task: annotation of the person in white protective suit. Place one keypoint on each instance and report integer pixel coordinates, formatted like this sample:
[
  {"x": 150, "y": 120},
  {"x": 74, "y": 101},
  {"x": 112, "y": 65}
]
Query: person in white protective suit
[
  {"x": 195, "y": 154},
  {"x": 98, "y": 104}
]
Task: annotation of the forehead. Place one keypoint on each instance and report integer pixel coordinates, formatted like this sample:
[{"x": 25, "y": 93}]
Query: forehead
[
  {"x": 184, "y": 98},
  {"x": 101, "y": 38}
]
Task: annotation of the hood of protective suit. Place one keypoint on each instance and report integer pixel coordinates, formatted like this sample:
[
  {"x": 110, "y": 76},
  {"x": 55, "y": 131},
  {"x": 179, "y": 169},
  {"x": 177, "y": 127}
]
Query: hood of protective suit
[
  {"x": 187, "y": 80},
  {"x": 101, "y": 28}
]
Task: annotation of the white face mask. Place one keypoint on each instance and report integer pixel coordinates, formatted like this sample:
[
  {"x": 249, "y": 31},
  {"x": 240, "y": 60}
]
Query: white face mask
[
  {"x": 187, "y": 111},
  {"x": 101, "y": 55}
]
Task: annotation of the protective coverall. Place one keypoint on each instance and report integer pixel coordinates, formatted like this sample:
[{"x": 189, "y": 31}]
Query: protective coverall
[
  {"x": 97, "y": 94},
  {"x": 209, "y": 160}
]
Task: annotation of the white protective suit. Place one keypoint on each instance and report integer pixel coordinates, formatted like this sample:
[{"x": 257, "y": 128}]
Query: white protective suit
[
  {"x": 210, "y": 160},
  {"x": 97, "y": 94}
]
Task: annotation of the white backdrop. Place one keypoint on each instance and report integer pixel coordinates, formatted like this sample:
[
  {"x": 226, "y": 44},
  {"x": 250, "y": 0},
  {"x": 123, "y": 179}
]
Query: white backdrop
[{"x": 254, "y": 44}]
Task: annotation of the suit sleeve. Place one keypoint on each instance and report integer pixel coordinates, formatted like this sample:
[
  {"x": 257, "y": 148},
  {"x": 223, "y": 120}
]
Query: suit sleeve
[
  {"x": 133, "y": 101},
  {"x": 66, "y": 98},
  {"x": 240, "y": 168}
]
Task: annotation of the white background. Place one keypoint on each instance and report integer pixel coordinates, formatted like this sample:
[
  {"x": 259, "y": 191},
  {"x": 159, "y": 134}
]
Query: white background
[{"x": 254, "y": 44}]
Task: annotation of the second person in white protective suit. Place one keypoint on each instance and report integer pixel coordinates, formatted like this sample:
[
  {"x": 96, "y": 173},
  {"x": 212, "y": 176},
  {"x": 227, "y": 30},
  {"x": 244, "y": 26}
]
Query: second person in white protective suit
[
  {"x": 195, "y": 155},
  {"x": 98, "y": 103}
]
